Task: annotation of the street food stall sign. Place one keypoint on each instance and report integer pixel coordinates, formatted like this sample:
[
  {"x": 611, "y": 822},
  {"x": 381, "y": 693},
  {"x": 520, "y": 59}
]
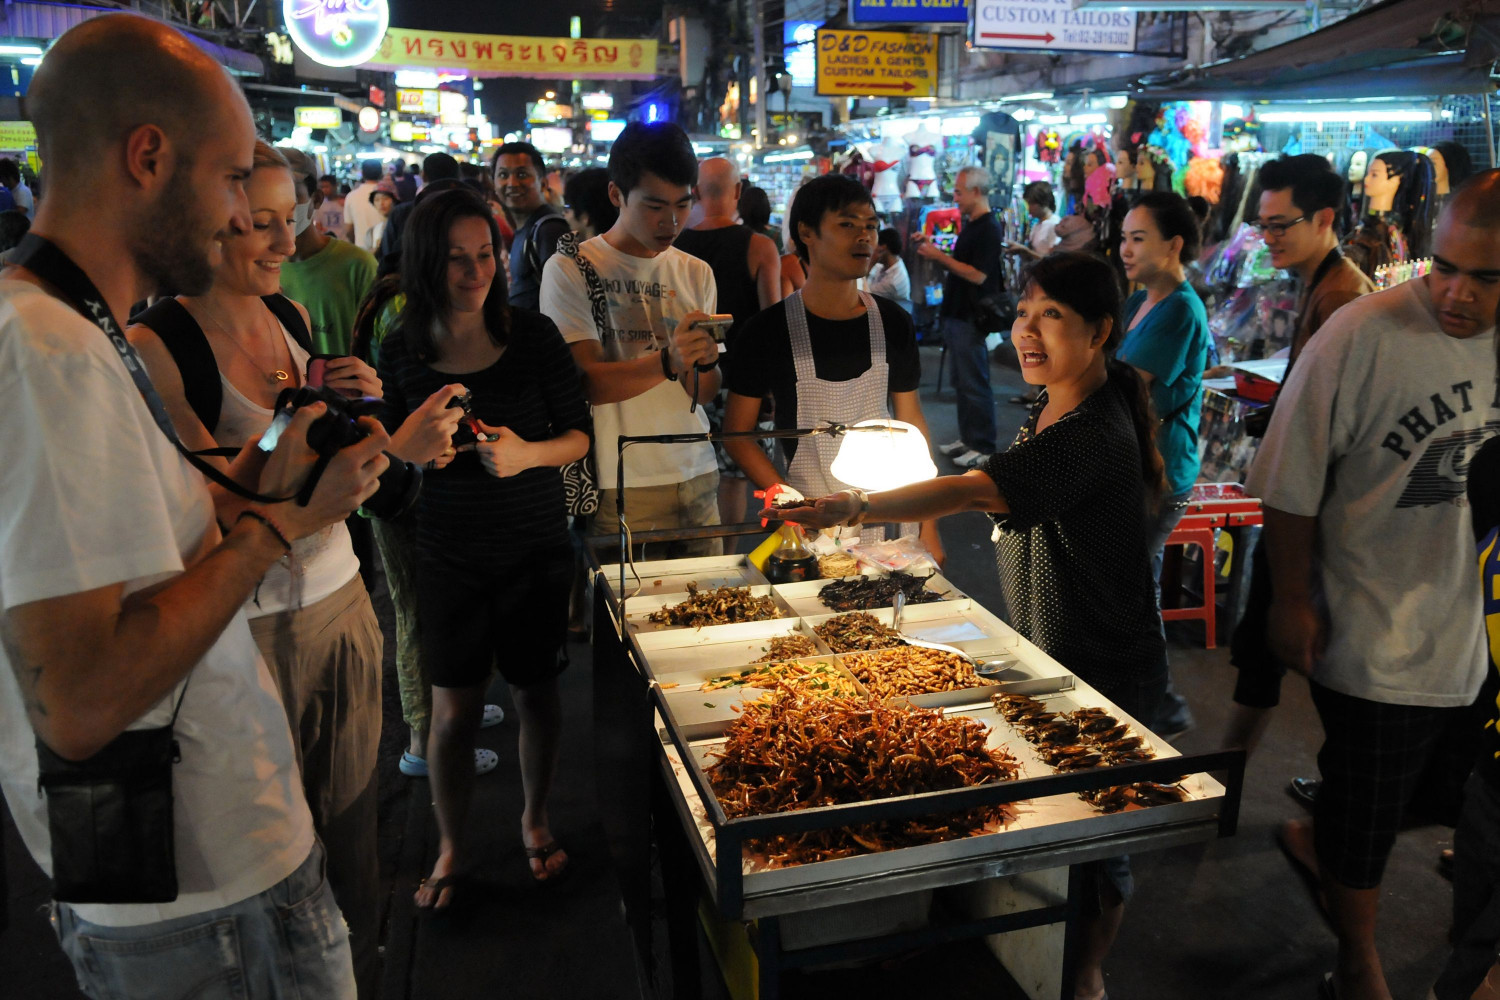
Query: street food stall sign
[
  {"x": 879, "y": 63},
  {"x": 1052, "y": 25}
]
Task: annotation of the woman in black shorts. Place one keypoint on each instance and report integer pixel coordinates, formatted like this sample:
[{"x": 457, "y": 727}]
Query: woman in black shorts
[
  {"x": 493, "y": 558},
  {"x": 1072, "y": 498}
]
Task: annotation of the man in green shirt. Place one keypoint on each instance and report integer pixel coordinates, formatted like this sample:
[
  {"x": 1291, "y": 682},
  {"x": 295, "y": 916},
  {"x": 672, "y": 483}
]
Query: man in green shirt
[{"x": 327, "y": 275}]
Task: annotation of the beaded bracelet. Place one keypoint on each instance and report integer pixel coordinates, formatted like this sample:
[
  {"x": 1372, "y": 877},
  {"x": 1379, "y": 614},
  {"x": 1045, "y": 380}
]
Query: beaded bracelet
[{"x": 270, "y": 524}]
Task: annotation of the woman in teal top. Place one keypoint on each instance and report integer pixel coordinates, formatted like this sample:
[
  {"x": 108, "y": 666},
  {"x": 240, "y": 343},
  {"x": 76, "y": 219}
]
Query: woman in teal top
[{"x": 1166, "y": 340}]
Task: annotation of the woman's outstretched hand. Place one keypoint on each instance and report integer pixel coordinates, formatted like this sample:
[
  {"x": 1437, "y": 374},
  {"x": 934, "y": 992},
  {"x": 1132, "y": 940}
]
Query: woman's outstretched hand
[{"x": 824, "y": 512}]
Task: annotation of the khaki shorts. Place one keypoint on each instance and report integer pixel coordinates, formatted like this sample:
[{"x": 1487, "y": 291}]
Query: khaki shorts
[{"x": 693, "y": 504}]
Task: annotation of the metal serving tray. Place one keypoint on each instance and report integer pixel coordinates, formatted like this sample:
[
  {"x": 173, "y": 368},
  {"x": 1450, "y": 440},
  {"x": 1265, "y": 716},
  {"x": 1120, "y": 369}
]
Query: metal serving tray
[
  {"x": 1040, "y": 823},
  {"x": 803, "y": 596},
  {"x": 715, "y": 646},
  {"x": 671, "y": 576},
  {"x": 961, "y": 623},
  {"x": 706, "y": 714},
  {"x": 935, "y": 699},
  {"x": 638, "y": 609}
]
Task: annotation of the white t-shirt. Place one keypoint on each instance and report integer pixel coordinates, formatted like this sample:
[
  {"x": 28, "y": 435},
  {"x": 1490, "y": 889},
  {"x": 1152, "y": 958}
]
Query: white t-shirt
[
  {"x": 319, "y": 564},
  {"x": 359, "y": 213},
  {"x": 1373, "y": 435},
  {"x": 24, "y": 200},
  {"x": 646, "y": 297},
  {"x": 93, "y": 494},
  {"x": 893, "y": 282},
  {"x": 1044, "y": 235}
]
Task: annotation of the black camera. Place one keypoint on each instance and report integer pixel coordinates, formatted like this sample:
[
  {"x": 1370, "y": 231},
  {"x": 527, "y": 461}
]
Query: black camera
[{"x": 336, "y": 430}]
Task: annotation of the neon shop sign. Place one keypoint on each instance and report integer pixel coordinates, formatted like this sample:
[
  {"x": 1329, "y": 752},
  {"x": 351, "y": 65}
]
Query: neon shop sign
[{"x": 337, "y": 32}]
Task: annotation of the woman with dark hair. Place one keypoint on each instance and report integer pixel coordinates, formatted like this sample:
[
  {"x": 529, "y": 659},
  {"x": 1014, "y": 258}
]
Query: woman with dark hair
[
  {"x": 1167, "y": 342},
  {"x": 1072, "y": 500},
  {"x": 494, "y": 562},
  {"x": 586, "y": 203},
  {"x": 755, "y": 212}
]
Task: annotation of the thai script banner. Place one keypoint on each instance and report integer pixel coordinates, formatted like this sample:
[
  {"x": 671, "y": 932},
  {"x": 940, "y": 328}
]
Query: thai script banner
[{"x": 516, "y": 55}]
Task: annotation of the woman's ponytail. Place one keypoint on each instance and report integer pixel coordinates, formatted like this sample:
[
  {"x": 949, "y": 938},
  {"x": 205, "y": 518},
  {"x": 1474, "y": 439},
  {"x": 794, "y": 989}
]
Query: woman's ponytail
[{"x": 1143, "y": 417}]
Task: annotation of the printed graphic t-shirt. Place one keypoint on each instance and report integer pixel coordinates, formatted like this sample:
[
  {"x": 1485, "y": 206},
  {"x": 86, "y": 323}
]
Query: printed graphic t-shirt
[
  {"x": 1373, "y": 436},
  {"x": 646, "y": 297}
]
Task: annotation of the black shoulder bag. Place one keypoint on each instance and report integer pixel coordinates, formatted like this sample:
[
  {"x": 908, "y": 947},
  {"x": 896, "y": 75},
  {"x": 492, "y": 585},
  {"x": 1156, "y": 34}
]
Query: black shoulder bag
[
  {"x": 110, "y": 816},
  {"x": 581, "y": 478}
]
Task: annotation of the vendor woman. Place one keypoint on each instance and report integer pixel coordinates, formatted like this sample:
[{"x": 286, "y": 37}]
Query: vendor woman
[
  {"x": 1072, "y": 500},
  {"x": 828, "y": 352}
]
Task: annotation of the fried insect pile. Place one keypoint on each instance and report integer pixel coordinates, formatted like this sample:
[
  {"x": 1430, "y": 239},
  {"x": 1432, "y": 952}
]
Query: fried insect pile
[
  {"x": 791, "y": 753},
  {"x": 1088, "y": 737},
  {"x": 912, "y": 670},
  {"x": 791, "y": 646},
  {"x": 857, "y": 630},
  {"x": 720, "y": 606},
  {"x": 816, "y": 679},
  {"x": 861, "y": 593}
]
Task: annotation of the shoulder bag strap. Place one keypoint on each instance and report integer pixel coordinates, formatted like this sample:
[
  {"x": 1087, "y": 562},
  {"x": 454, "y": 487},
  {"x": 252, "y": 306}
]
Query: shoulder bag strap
[{"x": 568, "y": 245}]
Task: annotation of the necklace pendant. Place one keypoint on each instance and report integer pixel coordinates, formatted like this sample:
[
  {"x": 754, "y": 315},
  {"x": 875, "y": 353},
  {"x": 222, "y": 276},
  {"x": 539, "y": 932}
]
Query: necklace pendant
[{"x": 280, "y": 376}]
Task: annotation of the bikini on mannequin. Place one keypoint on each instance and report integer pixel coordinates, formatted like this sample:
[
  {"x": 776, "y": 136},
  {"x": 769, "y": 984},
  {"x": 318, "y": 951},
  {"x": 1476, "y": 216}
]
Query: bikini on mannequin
[
  {"x": 921, "y": 176},
  {"x": 887, "y": 188}
]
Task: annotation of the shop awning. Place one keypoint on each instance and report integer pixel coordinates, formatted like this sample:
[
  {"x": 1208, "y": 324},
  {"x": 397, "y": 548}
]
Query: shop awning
[{"x": 1399, "y": 48}]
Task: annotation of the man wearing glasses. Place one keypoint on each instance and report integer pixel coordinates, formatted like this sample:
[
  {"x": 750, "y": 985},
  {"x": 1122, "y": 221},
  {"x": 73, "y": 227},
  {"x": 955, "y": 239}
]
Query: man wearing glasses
[
  {"x": 1298, "y": 205},
  {"x": 1298, "y": 208},
  {"x": 519, "y": 175}
]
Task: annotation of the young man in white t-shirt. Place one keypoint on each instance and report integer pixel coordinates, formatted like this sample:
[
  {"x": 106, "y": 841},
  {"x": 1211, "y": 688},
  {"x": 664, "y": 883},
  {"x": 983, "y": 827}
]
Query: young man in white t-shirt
[
  {"x": 642, "y": 371},
  {"x": 119, "y": 595},
  {"x": 1371, "y": 549}
]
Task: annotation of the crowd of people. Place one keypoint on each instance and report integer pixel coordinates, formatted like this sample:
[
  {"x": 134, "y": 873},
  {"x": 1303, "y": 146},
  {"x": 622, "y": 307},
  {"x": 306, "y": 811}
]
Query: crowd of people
[{"x": 155, "y": 579}]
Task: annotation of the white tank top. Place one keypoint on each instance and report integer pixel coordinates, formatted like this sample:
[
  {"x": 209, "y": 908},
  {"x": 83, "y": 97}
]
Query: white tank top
[{"x": 324, "y": 561}]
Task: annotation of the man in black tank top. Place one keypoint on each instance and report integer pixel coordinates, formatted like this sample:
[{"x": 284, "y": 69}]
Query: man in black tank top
[{"x": 746, "y": 265}]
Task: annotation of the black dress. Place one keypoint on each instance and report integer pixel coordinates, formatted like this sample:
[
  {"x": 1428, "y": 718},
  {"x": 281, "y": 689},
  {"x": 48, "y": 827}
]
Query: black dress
[{"x": 1072, "y": 551}]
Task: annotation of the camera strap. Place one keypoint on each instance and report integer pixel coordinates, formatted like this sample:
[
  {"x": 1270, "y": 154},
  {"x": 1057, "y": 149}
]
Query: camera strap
[{"x": 47, "y": 261}]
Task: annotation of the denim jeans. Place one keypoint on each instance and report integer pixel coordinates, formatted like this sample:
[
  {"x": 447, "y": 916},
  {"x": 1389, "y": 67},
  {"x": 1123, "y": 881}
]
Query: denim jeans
[
  {"x": 1174, "y": 714},
  {"x": 288, "y": 943},
  {"x": 971, "y": 383}
]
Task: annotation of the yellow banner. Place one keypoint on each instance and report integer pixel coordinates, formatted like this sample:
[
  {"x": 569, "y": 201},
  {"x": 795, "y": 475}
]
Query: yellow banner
[
  {"x": 17, "y": 135},
  {"x": 517, "y": 55}
]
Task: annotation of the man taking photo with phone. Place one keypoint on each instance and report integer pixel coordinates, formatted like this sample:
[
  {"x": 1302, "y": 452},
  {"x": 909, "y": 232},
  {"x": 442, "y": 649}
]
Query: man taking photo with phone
[{"x": 648, "y": 369}]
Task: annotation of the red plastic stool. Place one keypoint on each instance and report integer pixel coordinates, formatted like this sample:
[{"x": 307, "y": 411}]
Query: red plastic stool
[{"x": 1198, "y": 531}]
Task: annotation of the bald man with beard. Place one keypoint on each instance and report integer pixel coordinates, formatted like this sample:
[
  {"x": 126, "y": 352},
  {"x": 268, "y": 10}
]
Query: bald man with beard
[
  {"x": 1371, "y": 548},
  {"x": 123, "y": 576}
]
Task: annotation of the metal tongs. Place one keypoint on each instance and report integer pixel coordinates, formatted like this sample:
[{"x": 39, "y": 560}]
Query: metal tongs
[{"x": 984, "y": 668}]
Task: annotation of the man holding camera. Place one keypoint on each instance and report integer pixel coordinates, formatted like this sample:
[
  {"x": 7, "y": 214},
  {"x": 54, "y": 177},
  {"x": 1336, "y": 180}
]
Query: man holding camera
[{"x": 120, "y": 597}]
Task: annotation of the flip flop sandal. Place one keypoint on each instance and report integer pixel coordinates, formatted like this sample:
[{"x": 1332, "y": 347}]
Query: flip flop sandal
[
  {"x": 493, "y": 716},
  {"x": 542, "y": 854},
  {"x": 454, "y": 883},
  {"x": 413, "y": 766}
]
